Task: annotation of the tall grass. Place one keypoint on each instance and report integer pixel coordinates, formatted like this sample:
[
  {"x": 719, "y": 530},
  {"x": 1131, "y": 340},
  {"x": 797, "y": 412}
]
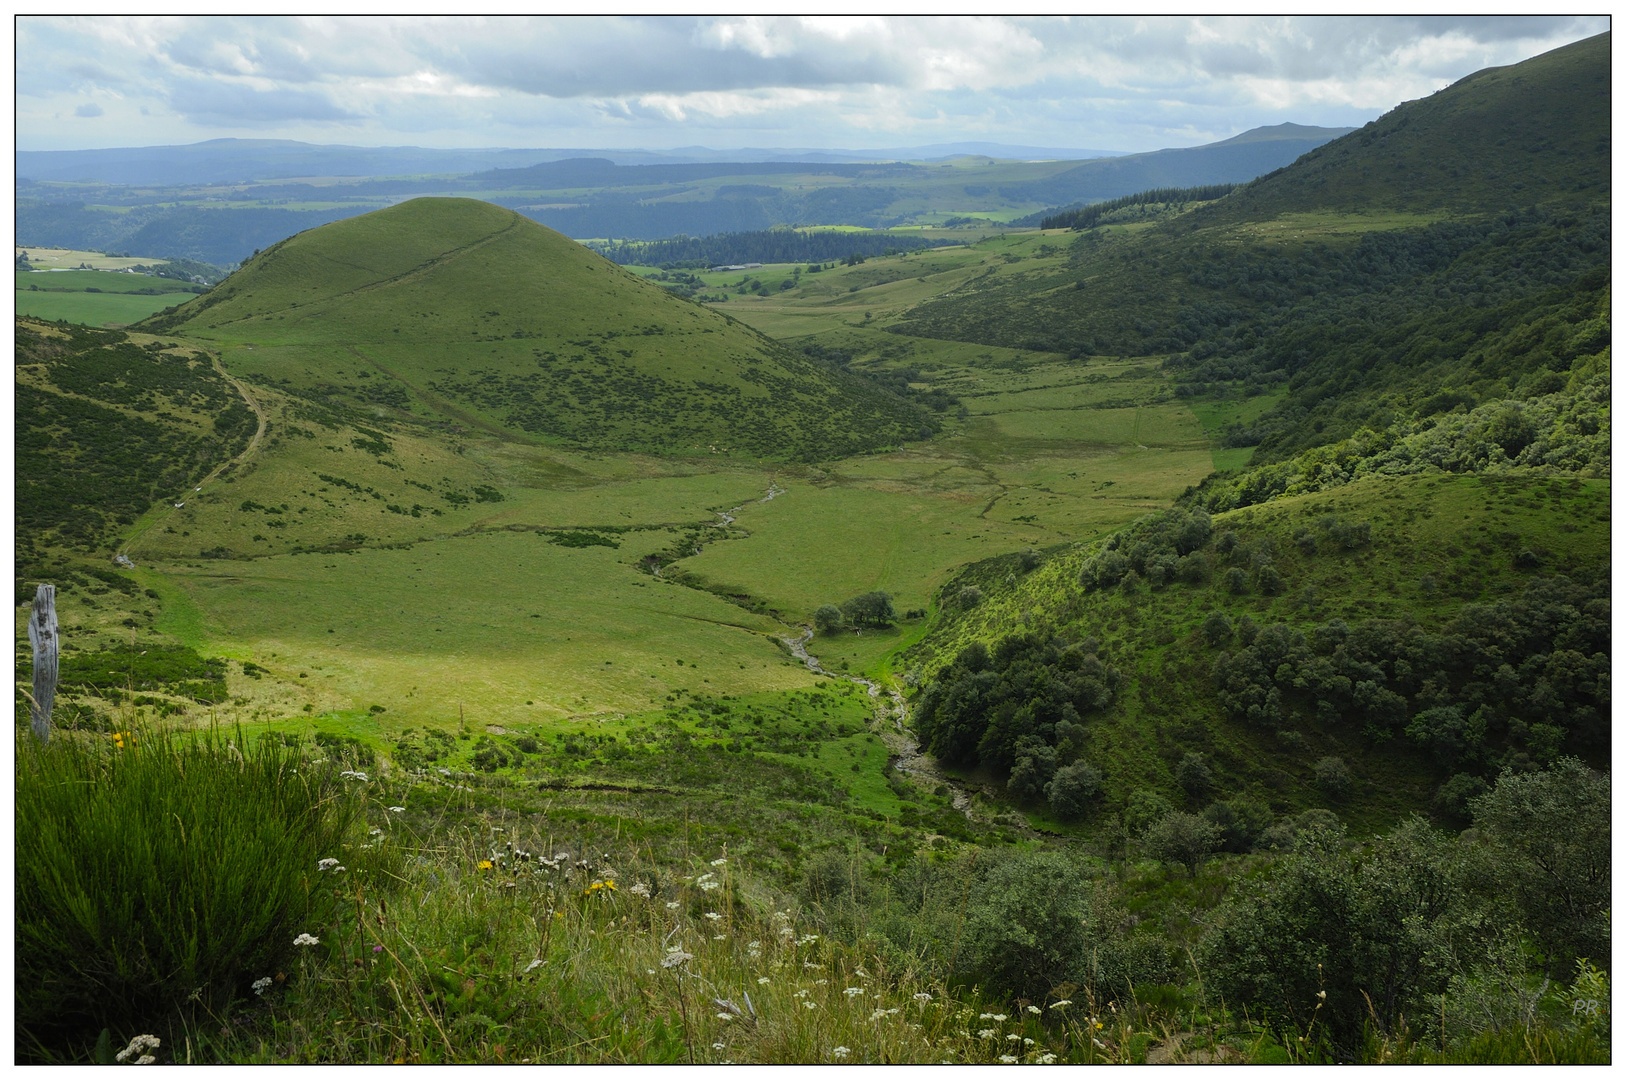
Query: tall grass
[{"x": 154, "y": 870}]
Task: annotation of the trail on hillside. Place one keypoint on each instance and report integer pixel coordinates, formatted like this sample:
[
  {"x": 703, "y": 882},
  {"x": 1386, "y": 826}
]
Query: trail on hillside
[{"x": 123, "y": 556}]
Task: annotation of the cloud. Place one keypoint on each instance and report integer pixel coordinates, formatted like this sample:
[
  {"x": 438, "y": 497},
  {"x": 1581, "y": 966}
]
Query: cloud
[
  {"x": 1127, "y": 83},
  {"x": 90, "y": 110}
]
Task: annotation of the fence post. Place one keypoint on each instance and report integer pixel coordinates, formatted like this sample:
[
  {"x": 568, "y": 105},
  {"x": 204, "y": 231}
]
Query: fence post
[{"x": 42, "y": 634}]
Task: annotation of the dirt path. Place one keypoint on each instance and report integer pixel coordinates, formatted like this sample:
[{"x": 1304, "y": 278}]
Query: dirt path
[
  {"x": 898, "y": 738},
  {"x": 123, "y": 556}
]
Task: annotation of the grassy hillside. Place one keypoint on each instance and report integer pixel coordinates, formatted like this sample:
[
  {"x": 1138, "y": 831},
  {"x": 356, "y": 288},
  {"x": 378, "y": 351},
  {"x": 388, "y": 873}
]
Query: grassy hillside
[
  {"x": 463, "y": 312},
  {"x": 1430, "y": 582}
]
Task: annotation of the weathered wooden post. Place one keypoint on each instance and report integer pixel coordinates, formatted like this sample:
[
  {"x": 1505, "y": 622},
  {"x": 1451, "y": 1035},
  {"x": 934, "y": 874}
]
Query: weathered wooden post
[{"x": 42, "y": 634}]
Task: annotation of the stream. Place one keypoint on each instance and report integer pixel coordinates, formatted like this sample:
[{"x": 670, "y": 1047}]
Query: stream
[{"x": 898, "y": 739}]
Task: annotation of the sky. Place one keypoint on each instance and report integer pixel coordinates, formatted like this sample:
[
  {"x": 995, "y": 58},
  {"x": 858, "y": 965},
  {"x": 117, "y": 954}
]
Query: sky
[{"x": 729, "y": 82}]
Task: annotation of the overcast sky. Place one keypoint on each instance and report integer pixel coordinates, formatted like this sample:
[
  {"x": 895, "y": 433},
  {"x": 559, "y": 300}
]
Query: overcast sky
[{"x": 728, "y": 82}]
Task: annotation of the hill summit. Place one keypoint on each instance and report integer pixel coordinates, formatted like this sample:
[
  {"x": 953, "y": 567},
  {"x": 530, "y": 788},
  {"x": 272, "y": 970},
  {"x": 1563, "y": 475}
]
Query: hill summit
[{"x": 466, "y": 311}]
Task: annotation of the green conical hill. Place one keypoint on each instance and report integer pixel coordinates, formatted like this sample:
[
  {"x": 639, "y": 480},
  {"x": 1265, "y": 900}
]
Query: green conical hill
[{"x": 467, "y": 311}]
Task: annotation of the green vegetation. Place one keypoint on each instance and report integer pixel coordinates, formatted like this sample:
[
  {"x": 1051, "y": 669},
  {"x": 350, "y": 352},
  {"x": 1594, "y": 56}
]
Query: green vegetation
[
  {"x": 463, "y": 312},
  {"x": 1190, "y": 683},
  {"x": 154, "y": 870}
]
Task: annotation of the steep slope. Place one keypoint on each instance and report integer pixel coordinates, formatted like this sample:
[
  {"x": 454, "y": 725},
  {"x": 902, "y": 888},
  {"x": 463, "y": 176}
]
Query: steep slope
[
  {"x": 1232, "y": 160},
  {"x": 1446, "y": 247},
  {"x": 467, "y": 312}
]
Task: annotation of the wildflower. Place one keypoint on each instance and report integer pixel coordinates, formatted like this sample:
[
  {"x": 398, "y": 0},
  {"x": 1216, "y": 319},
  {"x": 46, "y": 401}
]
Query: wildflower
[
  {"x": 725, "y": 1018},
  {"x": 378, "y": 948},
  {"x": 532, "y": 966},
  {"x": 1099, "y": 1045},
  {"x": 397, "y": 809},
  {"x": 260, "y": 986},
  {"x": 923, "y": 996},
  {"x": 840, "y": 1052},
  {"x": 1027, "y": 1042},
  {"x": 1007, "y": 1059},
  {"x": 375, "y": 832},
  {"x": 762, "y": 980},
  {"x": 672, "y": 905},
  {"x": 713, "y": 916},
  {"x": 137, "y": 1045},
  {"x": 353, "y": 774},
  {"x": 708, "y": 886},
  {"x": 719, "y": 862},
  {"x": 801, "y": 993},
  {"x": 640, "y": 890},
  {"x": 675, "y": 956},
  {"x": 1001, "y": 1017},
  {"x": 1013, "y": 1038},
  {"x": 486, "y": 864},
  {"x": 719, "y": 937},
  {"x": 608, "y": 884},
  {"x": 1034, "y": 1009},
  {"x": 326, "y": 864},
  {"x": 811, "y": 1004},
  {"x": 986, "y": 1033},
  {"x": 861, "y": 973},
  {"x": 854, "y": 991},
  {"x": 719, "y": 1046},
  {"x": 307, "y": 939},
  {"x": 1062, "y": 1004},
  {"x": 1046, "y": 1059}
]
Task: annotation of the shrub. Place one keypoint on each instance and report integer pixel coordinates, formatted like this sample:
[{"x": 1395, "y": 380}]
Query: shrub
[
  {"x": 148, "y": 873},
  {"x": 970, "y": 597},
  {"x": 1027, "y": 924},
  {"x": 1193, "y": 774},
  {"x": 1333, "y": 777},
  {"x": 1236, "y": 579},
  {"x": 1185, "y": 839},
  {"x": 1072, "y": 788},
  {"x": 827, "y": 619},
  {"x": 1217, "y": 627}
]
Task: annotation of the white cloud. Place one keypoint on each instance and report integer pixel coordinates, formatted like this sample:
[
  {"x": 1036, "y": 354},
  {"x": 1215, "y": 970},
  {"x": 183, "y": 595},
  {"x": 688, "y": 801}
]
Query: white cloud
[{"x": 1128, "y": 83}]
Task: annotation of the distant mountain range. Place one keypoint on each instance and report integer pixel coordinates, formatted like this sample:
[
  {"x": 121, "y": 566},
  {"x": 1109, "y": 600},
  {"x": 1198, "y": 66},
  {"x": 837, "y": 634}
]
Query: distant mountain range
[{"x": 224, "y": 161}]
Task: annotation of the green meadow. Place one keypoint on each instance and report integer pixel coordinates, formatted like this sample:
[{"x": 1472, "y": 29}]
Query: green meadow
[{"x": 94, "y": 309}]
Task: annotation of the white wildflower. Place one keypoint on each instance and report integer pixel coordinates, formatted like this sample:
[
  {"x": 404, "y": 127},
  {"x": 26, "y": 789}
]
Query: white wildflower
[
  {"x": 397, "y": 809},
  {"x": 307, "y": 939},
  {"x": 923, "y": 996},
  {"x": 675, "y": 956},
  {"x": 811, "y": 1004},
  {"x": 260, "y": 986},
  {"x": 840, "y": 1052},
  {"x": 640, "y": 889},
  {"x": 719, "y": 1046},
  {"x": 986, "y": 1033},
  {"x": 1063, "y": 1003},
  {"x": 532, "y": 966},
  {"x": 713, "y": 916},
  {"x": 1013, "y": 1038},
  {"x": 354, "y": 774},
  {"x": 672, "y": 905},
  {"x": 1046, "y": 1059},
  {"x": 854, "y": 991},
  {"x": 725, "y": 1018},
  {"x": 137, "y": 1045},
  {"x": 763, "y": 980},
  {"x": 719, "y": 937},
  {"x": 1027, "y": 1042},
  {"x": 145, "y": 1059},
  {"x": 1006, "y": 1059},
  {"x": 719, "y": 862},
  {"x": 708, "y": 886},
  {"x": 1034, "y": 1009},
  {"x": 326, "y": 864}
]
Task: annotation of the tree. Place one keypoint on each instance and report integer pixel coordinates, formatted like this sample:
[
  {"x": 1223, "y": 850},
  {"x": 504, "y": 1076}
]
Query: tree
[
  {"x": 1193, "y": 774},
  {"x": 1550, "y": 834},
  {"x": 1185, "y": 839},
  {"x": 1072, "y": 788},
  {"x": 1333, "y": 777},
  {"x": 827, "y": 619},
  {"x": 869, "y": 609},
  {"x": 1217, "y": 627},
  {"x": 970, "y": 597}
]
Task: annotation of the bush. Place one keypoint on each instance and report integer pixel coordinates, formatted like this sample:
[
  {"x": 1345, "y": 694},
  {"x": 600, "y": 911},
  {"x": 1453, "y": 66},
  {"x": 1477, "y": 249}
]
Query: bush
[
  {"x": 147, "y": 873},
  {"x": 1193, "y": 774},
  {"x": 1072, "y": 788},
  {"x": 970, "y": 597},
  {"x": 1027, "y": 925},
  {"x": 1333, "y": 777},
  {"x": 827, "y": 619},
  {"x": 1185, "y": 839}
]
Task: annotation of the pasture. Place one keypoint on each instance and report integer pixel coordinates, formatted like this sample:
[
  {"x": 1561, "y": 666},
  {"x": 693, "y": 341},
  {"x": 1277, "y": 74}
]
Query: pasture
[{"x": 94, "y": 309}]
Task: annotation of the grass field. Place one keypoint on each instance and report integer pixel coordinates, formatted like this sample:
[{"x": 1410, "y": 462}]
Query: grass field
[
  {"x": 68, "y": 259},
  {"x": 94, "y": 309}
]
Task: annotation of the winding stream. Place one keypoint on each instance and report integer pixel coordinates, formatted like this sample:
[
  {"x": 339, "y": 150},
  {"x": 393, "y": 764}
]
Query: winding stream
[{"x": 898, "y": 739}]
